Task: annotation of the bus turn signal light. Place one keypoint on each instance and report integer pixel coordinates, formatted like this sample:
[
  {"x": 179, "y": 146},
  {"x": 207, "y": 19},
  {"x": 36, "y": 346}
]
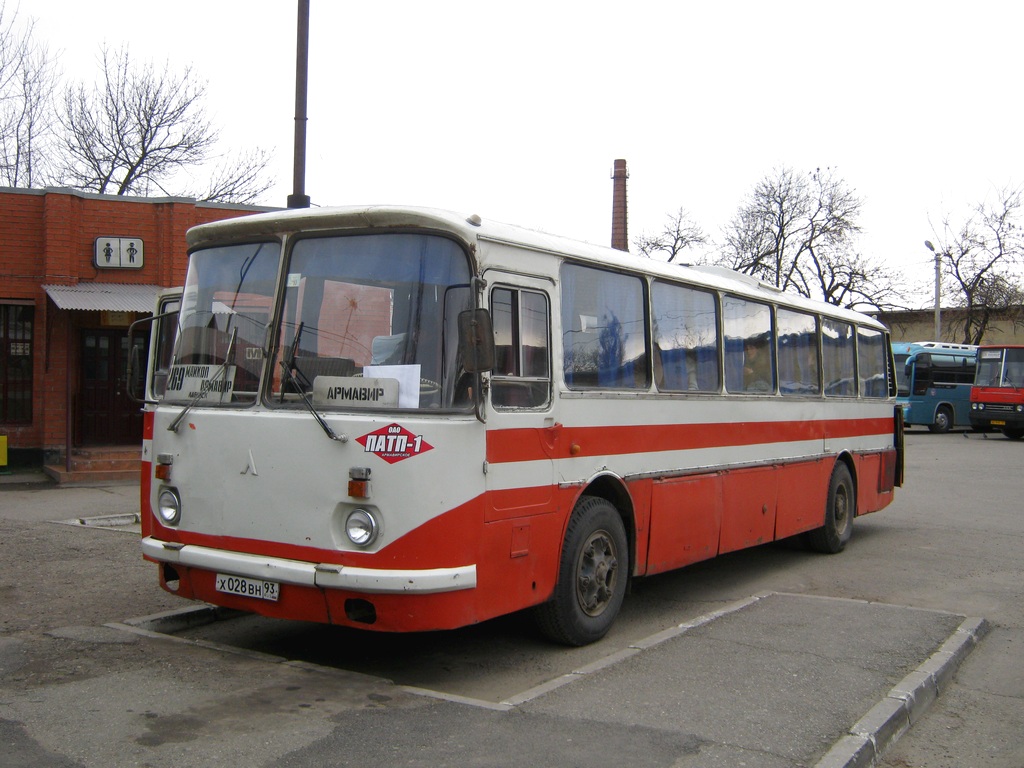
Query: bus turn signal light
[
  {"x": 162, "y": 471},
  {"x": 359, "y": 482}
]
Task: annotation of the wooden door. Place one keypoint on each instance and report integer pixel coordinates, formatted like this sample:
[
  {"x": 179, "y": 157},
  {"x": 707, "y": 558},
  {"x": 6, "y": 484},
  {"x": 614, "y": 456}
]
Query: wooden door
[{"x": 106, "y": 416}]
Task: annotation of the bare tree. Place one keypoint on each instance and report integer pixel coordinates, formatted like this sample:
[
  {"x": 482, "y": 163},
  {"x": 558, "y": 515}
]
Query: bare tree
[
  {"x": 142, "y": 129},
  {"x": 798, "y": 232},
  {"x": 241, "y": 178},
  {"x": 767, "y": 235},
  {"x": 983, "y": 255},
  {"x": 857, "y": 282},
  {"x": 681, "y": 233},
  {"x": 137, "y": 130},
  {"x": 27, "y": 83}
]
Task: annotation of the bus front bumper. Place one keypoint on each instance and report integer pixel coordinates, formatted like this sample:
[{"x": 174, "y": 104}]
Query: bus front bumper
[{"x": 322, "y": 575}]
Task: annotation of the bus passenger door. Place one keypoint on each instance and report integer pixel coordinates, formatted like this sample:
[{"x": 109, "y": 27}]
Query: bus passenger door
[{"x": 521, "y": 433}]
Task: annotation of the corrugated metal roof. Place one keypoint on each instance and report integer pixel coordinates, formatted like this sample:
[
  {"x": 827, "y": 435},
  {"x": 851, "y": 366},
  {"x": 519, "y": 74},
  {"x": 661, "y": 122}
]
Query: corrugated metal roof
[{"x": 114, "y": 297}]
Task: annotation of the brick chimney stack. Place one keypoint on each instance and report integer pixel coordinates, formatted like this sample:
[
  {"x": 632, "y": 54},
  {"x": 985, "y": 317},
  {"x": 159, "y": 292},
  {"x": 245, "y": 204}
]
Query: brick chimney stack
[{"x": 620, "y": 235}]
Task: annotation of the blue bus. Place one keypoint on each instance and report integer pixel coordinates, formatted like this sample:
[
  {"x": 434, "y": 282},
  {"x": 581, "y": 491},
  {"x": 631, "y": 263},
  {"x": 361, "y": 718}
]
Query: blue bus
[{"x": 934, "y": 383}]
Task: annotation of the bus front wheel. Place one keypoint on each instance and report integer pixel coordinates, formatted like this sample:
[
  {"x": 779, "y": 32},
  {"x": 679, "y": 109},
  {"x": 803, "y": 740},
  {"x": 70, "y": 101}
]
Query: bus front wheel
[
  {"x": 591, "y": 576},
  {"x": 1014, "y": 433},
  {"x": 840, "y": 508},
  {"x": 943, "y": 420}
]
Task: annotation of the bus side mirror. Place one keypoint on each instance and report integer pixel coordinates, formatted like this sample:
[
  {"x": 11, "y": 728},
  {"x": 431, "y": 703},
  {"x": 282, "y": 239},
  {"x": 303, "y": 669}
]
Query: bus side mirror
[
  {"x": 134, "y": 375},
  {"x": 476, "y": 341},
  {"x": 135, "y": 371}
]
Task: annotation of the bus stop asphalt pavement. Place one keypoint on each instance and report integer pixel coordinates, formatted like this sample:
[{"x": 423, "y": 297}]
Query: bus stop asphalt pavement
[{"x": 774, "y": 680}]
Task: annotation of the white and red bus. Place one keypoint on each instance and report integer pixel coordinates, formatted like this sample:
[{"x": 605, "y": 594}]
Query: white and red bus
[
  {"x": 997, "y": 397},
  {"x": 402, "y": 419}
]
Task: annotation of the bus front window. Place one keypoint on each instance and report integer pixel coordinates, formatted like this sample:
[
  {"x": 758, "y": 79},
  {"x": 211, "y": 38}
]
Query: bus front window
[
  {"x": 222, "y": 328},
  {"x": 1013, "y": 372},
  {"x": 369, "y": 321}
]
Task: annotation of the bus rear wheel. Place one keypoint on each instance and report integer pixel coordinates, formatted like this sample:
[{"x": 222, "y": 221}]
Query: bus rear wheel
[
  {"x": 840, "y": 508},
  {"x": 592, "y": 576},
  {"x": 943, "y": 420}
]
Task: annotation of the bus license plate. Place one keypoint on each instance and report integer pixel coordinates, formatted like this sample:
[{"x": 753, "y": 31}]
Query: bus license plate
[
  {"x": 998, "y": 423},
  {"x": 239, "y": 585}
]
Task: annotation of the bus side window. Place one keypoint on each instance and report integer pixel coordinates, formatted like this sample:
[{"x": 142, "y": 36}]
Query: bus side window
[
  {"x": 749, "y": 347},
  {"x": 798, "y": 353},
  {"x": 521, "y": 375},
  {"x": 838, "y": 358},
  {"x": 685, "y": 339},
  {"x": 871, "y": 359},
  {"x": 604, "y": 329},
  {"x": 164, "y": 354}
]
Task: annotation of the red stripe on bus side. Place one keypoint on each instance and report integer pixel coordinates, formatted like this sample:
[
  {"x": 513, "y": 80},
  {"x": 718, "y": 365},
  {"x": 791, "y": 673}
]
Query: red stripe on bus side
[
  {"x": 512, "y": 445},
  {"x": 146, "y": 476}
]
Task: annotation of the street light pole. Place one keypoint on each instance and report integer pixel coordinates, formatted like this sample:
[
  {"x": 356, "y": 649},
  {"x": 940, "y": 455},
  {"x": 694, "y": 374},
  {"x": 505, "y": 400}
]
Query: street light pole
[
  {"x": 298, "y": 198},
  {"x": 938, "y": 289}
]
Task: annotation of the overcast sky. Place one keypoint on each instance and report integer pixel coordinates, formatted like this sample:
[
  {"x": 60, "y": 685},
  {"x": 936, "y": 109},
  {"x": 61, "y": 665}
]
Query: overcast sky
[{"x": 516, "y": 111}]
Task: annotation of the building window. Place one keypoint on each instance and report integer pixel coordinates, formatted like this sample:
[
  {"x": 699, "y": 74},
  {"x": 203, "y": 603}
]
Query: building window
[{"x": 16, "y": 363}]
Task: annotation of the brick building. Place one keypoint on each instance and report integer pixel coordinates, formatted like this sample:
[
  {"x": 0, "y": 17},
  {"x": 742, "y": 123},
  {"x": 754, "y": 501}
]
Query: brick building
[{"x": 76, "y": 269}]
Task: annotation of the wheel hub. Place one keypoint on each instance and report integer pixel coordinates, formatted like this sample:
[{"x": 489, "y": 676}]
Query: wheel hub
[
  {"x": 842, "y": 511},
  {"x": 596, "y": 571}
]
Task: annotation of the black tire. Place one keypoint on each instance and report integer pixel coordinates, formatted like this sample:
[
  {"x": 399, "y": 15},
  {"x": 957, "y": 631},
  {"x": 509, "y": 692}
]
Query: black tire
[
  {"x": 1014, "y": 433},
  {"x": 592, "y": 576},
  {"x": 840, "y": 509},
  {"x": 943, "y": 421}
]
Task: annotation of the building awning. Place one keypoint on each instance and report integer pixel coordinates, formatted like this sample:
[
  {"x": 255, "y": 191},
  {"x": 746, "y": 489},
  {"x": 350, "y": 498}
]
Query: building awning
[{"x": 113, "y": 297}]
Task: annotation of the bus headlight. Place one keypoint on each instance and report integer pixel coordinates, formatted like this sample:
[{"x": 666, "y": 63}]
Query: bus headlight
[
  {"x": 361, "y": 527},
  {"x": 168, "y": 506}
]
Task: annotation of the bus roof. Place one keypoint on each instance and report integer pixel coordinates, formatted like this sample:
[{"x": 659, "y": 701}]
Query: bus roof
[
  {"x": 473, "y": 230},
  {"x": 912, "y": 347}
]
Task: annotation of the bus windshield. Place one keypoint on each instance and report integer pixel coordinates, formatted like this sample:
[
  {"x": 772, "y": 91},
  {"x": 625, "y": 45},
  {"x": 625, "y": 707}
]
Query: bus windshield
[
  {"x": 371, "y": 321},
  {"x": 1001, "y": 368},
  {"x": 365, "y": 321},
  {"x": 225, "y": 311}
]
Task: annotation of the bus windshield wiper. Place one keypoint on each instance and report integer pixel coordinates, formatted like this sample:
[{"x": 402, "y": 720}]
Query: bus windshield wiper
[
  {"x": 293, "y": 367},
  {"x": 290, "y": 368},
  {"x": 287, "y": 369},
  {"x": 174, "y": 425}
]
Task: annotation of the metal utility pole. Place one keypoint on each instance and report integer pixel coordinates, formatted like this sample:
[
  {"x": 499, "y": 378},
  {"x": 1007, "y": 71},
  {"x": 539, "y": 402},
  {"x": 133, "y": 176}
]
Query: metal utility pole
[
  {"x": 938, "y": 288},
  {"x": 298, "y": 198}
]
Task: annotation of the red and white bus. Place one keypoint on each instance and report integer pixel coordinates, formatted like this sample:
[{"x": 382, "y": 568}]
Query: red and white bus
[
  {"x": 997, "y": 397},
  {"x": 402, "y": 419}
]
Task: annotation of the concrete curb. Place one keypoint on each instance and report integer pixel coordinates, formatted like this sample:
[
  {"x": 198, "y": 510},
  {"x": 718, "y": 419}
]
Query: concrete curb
[{"x": 906, "y": 703}]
